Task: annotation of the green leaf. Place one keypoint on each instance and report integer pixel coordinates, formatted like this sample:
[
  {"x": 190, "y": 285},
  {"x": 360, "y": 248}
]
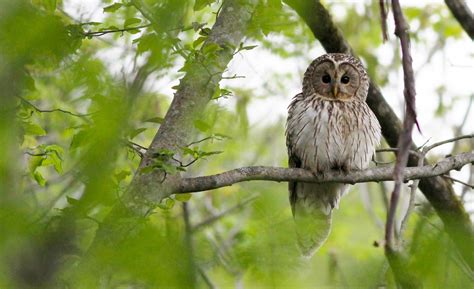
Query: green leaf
[
  {"x": 79, "y": 139},
  {"x": 211, "y": 48},
  {"x": 122, "y": 175},
  {"x": 217, "y": 92},
  {"x": 33, "y": 129},
  {"x": 166, "y": 204},
  {"x": 164, "y": 152},
  {"x": 131, "y": 21},
  {"x": 146, "y": 170},
  {"x": 198, "y": 41},
  {"x": 183, "y": 197},
  {"x": 112, "y": 8},
  {"x": 71, "y": 200},
  {"x": 136, "y": 132},
  {"x": 35, "y": 162},
  {"x": 205, "y": 154},
  {"x": 92, "y": 23},
  {"x": 59, "y": 151},
  {"x": 50, "y": 5},
  {"x": 200, "y": 4},
  {"x": 202, "y": 125},
  {"x": 133, "y": 31},
  {"x": 250, "y": 47},
  {"x": 112, "y": 27},
  {"x": 55, "y": 161},
  {"x": 39, "y": 178},
  {"x": 155, "y": 120},
  {"x": 205, "y": 31}
]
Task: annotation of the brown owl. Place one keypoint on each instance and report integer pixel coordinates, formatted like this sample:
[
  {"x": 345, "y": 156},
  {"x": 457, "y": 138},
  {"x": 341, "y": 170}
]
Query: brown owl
[{"x": 329, "y": 127}]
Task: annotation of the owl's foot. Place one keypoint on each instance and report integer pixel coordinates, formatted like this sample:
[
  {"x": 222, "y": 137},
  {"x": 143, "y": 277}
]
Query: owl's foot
[
  {"x": 341, "y": 168},
  {"x": 319, "y": 173}
]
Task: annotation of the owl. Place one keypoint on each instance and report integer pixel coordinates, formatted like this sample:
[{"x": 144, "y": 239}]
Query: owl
[{"x": 329, "y": 127}]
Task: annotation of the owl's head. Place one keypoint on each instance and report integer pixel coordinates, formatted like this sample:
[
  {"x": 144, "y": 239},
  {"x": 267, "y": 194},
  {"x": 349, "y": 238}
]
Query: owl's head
[{"x": 336, "y": 77}]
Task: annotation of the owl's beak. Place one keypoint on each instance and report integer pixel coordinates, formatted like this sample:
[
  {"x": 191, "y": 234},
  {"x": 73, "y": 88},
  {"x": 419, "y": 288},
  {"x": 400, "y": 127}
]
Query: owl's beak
[{"x": 335, "y": 90}]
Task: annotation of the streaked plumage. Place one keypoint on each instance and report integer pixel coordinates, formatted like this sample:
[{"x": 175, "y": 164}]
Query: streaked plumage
[{"x": 329, "y": 127}]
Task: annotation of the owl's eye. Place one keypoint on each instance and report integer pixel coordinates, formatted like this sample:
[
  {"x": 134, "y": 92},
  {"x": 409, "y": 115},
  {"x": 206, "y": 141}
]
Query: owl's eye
[
  {"x": 326, "y": 78},
  {"x": 345, "y": 79}
]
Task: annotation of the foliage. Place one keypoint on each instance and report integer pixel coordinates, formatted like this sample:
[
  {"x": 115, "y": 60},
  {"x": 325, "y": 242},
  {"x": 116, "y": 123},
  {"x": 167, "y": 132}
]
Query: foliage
[{"x": 73, "y": 131}]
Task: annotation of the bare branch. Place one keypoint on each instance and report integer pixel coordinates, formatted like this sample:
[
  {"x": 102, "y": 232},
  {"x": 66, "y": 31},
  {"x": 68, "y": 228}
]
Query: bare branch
[
  {"x": 221, "y": 215},
  {"x": 278, "y": 174},
  {"x": 103, "y": 32},
  {"x": 428, "y": 148},
  {"x": 37, "y": 109},
  {"x": 405, "y": 140},
  {"x": 463, "y": 14},
  {"x": 383, "y": 19},
  {"x": 459, "y": 181}
]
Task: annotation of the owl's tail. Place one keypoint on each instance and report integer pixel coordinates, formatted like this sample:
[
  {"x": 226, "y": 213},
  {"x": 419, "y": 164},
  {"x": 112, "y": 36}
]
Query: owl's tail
[
  {"x": 312, "y": 206},
  {"x": 313, "y": 226}
]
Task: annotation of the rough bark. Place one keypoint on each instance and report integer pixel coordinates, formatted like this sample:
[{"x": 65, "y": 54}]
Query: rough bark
[
  {"x": 194, "y": 91},
  {"x": 437, "y": 190}
]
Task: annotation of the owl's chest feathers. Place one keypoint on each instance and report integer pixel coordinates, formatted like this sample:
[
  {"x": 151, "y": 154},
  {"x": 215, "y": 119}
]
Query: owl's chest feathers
[{"x": 328, "y": 135}]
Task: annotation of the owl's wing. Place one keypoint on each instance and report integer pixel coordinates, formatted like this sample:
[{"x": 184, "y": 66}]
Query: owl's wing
[
  {"x": 293, "y": 162},
  {"x": 293, "y": 159}
]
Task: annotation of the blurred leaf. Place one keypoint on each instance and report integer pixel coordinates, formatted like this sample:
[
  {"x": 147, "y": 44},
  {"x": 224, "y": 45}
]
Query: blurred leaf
[
  {"x": 39, "y": 178},
  {"x": 55, "y": 161},
  {"x": 80, "y": 139},
  {"x": 202, "y": 125},
  {"x": 33, "y": 129},
  {"x": 166, "y": 204},
  {"x": 49, "y": 5},
  {"x": 35, "y": 162},
  {"x": 136, "y": 132},
  {"x": 131, "y": 21},
  {"x": 112, "y": 8},
  {"x": 72, "y": 201},
  {"x": 200, "y": 4},
  {"x": 120, "y": 176},
  {"x": 183, "y": 197},
  {"x": 211, "y": 48}
]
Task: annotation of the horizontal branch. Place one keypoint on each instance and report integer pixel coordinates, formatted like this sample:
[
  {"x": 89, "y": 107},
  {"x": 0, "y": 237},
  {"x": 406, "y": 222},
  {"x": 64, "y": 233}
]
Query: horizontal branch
[{"x": 278, "y": 174}]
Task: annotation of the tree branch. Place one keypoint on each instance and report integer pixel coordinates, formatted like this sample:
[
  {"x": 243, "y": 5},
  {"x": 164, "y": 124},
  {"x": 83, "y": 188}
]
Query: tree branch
[
  {"x": 405, "y": 139},
  {"x": 463, "y": 15},
  {"x": 278, "y": 174},
  {"x": 194, "y": 91},
  {"x": 103, "y": 32}
]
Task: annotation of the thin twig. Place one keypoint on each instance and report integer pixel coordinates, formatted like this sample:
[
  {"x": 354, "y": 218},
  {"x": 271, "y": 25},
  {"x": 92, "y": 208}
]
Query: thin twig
[
  {"x": 52, "y": 110},
  {"x": 411, "y": 204},
  {"x": 206, "y": 278},
  {"x": 428, "y": 148},
  {"x": 395, "y": 150},
  {"x": 458, "y": 181},
  {"x": 219, "y": 216},
  {"x": 103, "y": 32}
]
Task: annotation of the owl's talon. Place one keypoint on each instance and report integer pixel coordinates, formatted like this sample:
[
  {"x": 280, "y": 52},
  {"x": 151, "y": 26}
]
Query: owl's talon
[{"x": 318, "y": 173}]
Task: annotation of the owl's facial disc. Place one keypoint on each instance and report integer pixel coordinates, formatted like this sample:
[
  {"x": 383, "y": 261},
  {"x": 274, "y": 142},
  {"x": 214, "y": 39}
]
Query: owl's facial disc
[{"x": 336, "y": 82}]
